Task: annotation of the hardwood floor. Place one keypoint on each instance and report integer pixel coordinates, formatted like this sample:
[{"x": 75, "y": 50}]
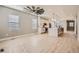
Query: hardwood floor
[
  {"x": 41, "y": 43},
  {"x": 66, "y": 44}
]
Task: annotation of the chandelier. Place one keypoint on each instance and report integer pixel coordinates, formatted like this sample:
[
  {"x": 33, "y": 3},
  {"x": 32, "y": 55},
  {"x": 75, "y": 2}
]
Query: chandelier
[{"x": 36, "y": 10}]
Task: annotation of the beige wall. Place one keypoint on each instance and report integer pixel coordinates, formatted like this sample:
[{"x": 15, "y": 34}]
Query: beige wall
[{"x": 25, "y": 22}]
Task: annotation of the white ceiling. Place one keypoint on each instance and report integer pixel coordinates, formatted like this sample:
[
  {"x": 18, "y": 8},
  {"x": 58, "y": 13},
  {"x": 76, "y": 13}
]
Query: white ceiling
[{"x": 62, "y": 11}]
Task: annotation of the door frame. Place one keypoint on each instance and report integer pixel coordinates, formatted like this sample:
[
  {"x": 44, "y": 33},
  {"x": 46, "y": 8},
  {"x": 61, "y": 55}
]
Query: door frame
[{"x": 72, "y": 28}]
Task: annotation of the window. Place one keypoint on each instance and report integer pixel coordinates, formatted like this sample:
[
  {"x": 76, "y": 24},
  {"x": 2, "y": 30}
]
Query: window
[
  {"x": 13, "y": 23},
  {"x": 34, "y": 23}
]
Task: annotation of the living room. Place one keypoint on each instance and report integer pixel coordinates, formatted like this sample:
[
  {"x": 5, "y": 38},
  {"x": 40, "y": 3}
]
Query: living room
[{"x": 36, "y": 32}]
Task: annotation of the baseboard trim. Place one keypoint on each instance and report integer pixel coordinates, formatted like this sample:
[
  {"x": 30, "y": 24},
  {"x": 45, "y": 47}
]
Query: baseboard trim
[{"x": 12, "y": 38}]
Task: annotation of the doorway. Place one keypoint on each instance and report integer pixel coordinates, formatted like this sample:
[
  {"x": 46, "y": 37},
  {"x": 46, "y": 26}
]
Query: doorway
[{"x": 70, "y": 25}]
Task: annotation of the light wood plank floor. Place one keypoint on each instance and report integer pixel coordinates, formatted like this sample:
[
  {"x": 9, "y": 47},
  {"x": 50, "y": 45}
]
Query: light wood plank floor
[{"x": 41, "y": 43}]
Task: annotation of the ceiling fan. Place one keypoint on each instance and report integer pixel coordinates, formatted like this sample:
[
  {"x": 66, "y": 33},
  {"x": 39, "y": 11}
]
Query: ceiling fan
[{"x": 36, "y": 10}]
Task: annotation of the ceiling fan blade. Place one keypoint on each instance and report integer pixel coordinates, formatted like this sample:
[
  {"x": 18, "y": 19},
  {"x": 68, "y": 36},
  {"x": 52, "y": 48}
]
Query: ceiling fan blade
[
  {"x": 29, "y": 8},
  {"x": 37, "y": 8},
  {"x": 33, "y": 7},
  {"x": 40, "y": 11}
]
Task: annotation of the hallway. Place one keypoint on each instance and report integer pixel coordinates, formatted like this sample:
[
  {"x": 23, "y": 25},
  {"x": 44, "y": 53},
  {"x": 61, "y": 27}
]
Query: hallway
[{"x": 42, "y": 43}]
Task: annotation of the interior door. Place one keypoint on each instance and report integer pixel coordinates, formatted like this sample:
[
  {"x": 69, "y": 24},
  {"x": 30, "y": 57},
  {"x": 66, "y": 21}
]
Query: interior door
[{"x": 70, "y": 25}]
